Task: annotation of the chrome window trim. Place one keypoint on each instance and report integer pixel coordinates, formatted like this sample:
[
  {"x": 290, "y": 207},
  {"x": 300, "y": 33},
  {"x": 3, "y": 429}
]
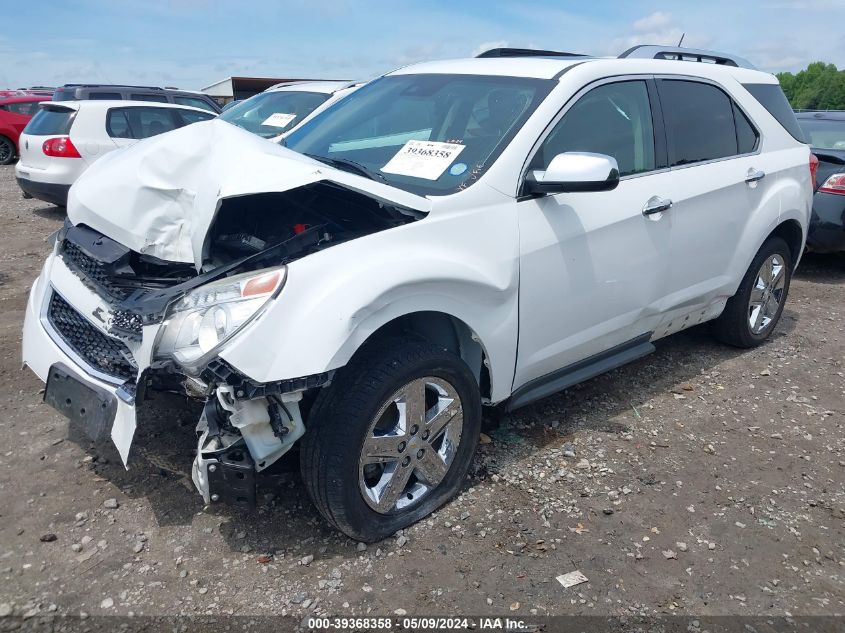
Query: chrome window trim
[{"x": 640, "y": 77}]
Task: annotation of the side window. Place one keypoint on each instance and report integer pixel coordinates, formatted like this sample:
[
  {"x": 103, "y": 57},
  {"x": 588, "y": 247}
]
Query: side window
[
  {"x": 746, "y": 134},
  {"x": 148, "y": 97},
  {"x": 153, "y": 121},
  {"x": 117, "y": 124},
  {"x": 140, "y": 122},
  {"x": 26, "y": 108},
  {"x": 192, "y": 116},
  {"x": 699, "y": 121},
  {"x": 194, "y": 102},
  {"x": 613, "y": 119},
  {"x": 104, "y": 96}
]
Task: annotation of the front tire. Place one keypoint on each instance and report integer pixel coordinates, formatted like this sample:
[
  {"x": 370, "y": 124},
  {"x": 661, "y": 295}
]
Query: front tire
[
  {"x": 391, "y": 439},
  {"x": 7, "y": 150},
  {"x": 751, "y": 315}
]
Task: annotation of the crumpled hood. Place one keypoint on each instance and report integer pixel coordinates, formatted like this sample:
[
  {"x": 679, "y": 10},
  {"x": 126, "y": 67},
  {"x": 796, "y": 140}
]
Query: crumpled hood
[{"x": 159, "y": 197}]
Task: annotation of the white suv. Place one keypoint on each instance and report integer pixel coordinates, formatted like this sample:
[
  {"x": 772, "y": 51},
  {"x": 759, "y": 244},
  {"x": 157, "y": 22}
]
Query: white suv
[
  {"x": 63, "y": 139},
  {"x": 282, "y": 108},
  {"x": 453, "y": 235}
]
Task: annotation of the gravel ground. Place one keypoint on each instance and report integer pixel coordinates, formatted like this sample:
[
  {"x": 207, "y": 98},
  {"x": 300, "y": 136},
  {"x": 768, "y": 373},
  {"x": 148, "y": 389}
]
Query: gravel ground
[{"x": 699, "y": 480}]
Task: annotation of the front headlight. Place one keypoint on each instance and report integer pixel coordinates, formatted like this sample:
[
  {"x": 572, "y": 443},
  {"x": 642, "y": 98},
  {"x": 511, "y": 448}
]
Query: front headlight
[{"x": 205, "y": 318}]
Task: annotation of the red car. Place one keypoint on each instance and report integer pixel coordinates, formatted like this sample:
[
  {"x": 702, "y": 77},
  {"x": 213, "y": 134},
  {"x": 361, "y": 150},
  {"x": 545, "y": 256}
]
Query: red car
[{"x": 15, "y": 113}]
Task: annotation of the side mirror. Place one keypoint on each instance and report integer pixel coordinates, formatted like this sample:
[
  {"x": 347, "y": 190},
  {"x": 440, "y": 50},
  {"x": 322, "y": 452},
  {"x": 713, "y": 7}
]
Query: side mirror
[{"x": 575, "y": 171}]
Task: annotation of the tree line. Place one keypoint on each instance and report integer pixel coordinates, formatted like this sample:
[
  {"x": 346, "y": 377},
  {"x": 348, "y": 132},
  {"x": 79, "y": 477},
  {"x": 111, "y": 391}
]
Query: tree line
[{"x": 820, "y": 86}]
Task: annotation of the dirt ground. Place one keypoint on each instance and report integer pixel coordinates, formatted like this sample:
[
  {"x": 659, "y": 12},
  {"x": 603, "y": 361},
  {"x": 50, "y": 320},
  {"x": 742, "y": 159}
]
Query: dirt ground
[{"x": 705, "y": 481}]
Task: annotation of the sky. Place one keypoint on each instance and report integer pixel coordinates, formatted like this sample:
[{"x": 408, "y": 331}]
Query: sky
[{"x": 193, "y": 43}]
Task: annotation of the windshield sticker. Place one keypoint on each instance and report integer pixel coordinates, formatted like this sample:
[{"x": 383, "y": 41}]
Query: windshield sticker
[
  {"x": 278, "y": 119},
  {"x": 423, "y": 159},
  {"x": 457, "y": 169}
]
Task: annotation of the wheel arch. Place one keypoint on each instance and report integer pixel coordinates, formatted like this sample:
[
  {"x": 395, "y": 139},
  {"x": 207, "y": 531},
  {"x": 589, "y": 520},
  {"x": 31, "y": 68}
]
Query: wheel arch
[
  {"x": 791, "y": 233},
  {"x": 442, "y": 329}
]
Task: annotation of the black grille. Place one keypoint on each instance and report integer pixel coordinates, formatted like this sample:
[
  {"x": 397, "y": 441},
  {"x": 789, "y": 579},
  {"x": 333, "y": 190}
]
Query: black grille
[
  {"x": 92, "y": 270},
  {"x": 108, "y": 355}
]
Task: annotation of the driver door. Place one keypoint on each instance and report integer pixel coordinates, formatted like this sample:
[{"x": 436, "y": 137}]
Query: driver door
[{"x": 593, "y": 266}]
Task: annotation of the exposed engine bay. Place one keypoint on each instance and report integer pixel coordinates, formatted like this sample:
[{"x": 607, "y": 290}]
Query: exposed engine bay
[
  {"x": 251, "y": 224},
  {"x": 248, "y": 233}
]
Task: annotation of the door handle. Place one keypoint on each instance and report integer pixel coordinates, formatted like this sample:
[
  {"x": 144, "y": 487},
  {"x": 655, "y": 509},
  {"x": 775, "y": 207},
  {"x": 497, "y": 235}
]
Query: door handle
[
  {"x": 754, "y": 175},
  {"x": 656, "y": 204}
]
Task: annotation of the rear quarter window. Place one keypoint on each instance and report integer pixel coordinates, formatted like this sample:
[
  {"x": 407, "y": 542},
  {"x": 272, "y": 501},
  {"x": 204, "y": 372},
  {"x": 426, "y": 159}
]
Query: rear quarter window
[
  {"x": 192, "y": 116},
  {"x": 772, "y": 98},
  {"x": 49, "y": 121},
  {"x": 746, "y": 134},
  {"x": 104, "y": 96},
  {"x": 194, "y": 102},
  {"x": 148, "y": 97}
]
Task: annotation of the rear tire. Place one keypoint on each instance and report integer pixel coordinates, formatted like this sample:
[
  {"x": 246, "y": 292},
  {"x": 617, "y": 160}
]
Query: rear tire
[
  {"x": 391, "y": 439},
  {"x": 752, "y": 314},
  {"x": 8, "y": 151}
]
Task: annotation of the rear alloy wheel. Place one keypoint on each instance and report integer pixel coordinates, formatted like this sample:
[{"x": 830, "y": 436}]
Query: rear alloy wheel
[
  {"x": 391, "y": 439},
  {"x": 7, "y": 150},
  {"x": 752, "y": 313},
  {"x": 767, "y": 294}
]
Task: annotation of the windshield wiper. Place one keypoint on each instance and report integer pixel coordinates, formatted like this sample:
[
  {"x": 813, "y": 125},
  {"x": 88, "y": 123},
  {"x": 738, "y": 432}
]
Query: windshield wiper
[{"x": 346, "y": 162}]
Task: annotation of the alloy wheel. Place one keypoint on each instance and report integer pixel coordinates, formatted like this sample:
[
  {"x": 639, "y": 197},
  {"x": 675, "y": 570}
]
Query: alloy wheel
[
  {"x": 410, "y": 445},
  {"x": 766, "y": 294}
]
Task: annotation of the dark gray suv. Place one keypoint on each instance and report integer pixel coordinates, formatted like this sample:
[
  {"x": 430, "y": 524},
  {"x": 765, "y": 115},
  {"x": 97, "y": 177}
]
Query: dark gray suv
[{"x": 76, "y": 92}]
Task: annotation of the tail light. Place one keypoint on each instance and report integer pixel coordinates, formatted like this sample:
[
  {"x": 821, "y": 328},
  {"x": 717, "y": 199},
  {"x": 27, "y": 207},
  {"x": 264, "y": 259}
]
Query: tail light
[
  {"x": 814, "y": 168},
  {"x": 834, "y": 184},
  {"x": 60, "y": 147}
]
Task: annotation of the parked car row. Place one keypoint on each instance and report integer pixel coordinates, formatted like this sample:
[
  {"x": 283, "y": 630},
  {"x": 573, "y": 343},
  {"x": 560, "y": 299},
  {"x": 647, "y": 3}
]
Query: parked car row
[
  {"x": 111, "y": 92},
  {"x": 450, "y": 236},
  {"x": 64, "y": 138},
  {"x": 15, "y": 113},
  {"x": 84, "y": 122}
]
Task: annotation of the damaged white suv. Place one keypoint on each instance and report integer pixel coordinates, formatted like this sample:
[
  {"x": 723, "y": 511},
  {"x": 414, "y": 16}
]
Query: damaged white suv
[{"x": 454, "y": 234}]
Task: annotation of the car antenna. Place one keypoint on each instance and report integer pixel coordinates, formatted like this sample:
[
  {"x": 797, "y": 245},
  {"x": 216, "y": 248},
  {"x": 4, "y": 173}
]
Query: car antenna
[{"x": 682, "y": 38}]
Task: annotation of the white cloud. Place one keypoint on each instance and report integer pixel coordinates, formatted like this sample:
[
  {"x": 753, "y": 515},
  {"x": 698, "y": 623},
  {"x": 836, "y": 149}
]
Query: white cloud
[
  {"x": 660, "y": 28},
  {"x": 657, "y": 20},
  {"x": 486, "y": 46}
]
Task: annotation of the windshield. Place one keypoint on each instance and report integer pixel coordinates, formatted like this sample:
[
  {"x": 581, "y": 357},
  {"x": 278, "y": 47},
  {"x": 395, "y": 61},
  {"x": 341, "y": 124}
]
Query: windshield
[
  {"x": 429, "y": 134},
  {"x": 271, "y": 113},
  {"x": 824, "y": 134}
]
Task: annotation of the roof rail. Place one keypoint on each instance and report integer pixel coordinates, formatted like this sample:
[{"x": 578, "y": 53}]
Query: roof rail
[
  {"x": 526, "y": 52},
  {"x": 114, "y": 86},
  {"x": 678, "y": 53}
]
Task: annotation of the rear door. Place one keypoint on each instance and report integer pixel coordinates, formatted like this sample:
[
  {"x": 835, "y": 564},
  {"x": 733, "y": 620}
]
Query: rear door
[{"x": 717, "y": 184}]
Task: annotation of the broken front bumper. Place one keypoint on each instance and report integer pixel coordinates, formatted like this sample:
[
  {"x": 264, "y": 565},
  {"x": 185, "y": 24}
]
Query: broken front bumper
[{"x": 72, "y": 387}]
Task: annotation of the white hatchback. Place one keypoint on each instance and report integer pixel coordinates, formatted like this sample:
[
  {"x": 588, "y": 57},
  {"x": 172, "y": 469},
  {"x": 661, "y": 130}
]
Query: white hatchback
[{"x": 64, "y": 138}]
